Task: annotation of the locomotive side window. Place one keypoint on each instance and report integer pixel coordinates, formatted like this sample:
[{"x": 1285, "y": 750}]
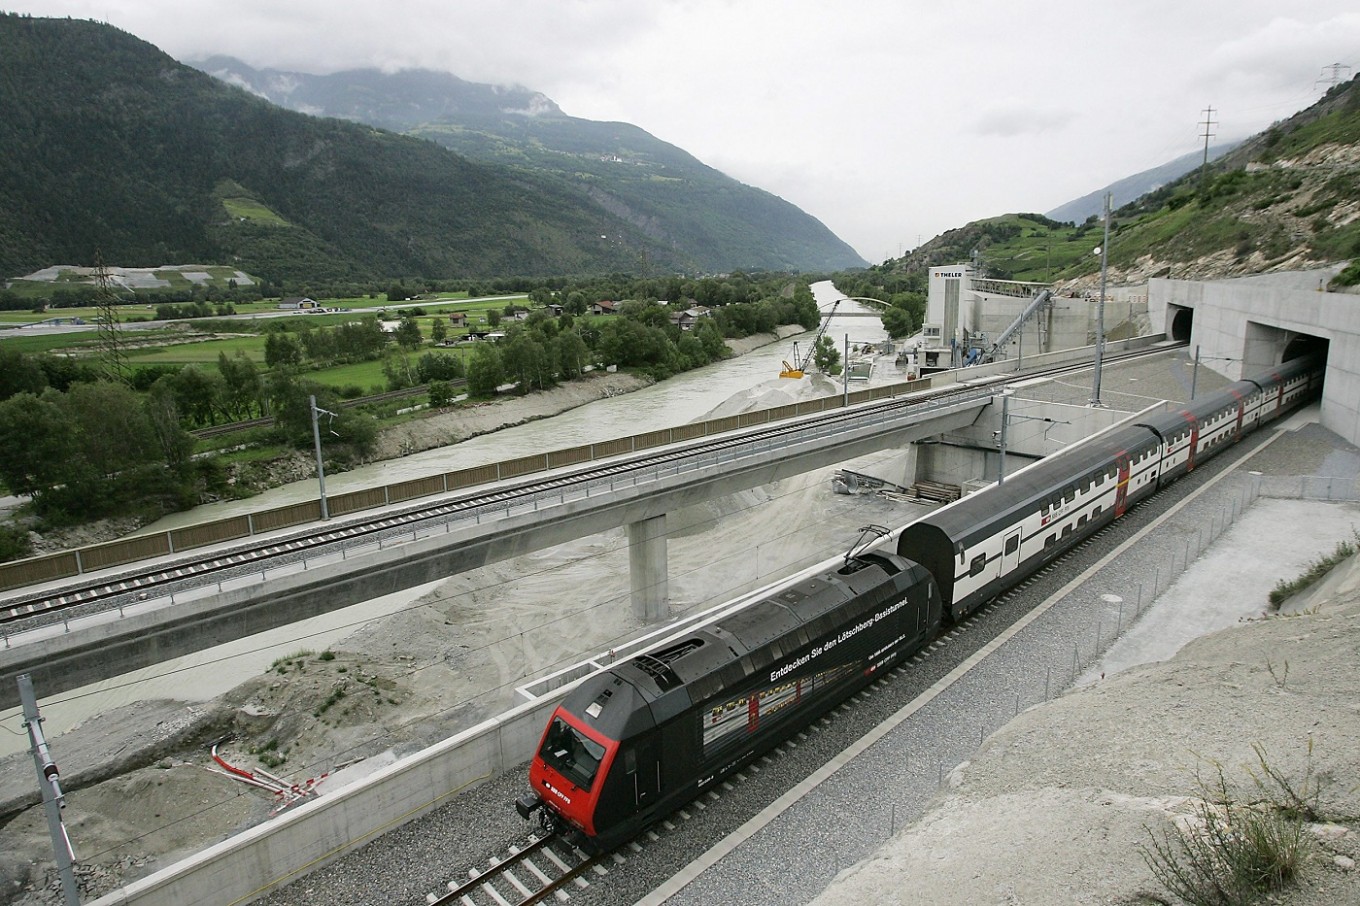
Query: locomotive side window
[
  {"x": 978, "y": 565},
  {"x": 571, "y": 754}
]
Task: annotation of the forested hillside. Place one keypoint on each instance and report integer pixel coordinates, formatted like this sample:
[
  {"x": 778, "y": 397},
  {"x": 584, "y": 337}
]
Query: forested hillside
[
  {"x": 717, "y": 222},
  {"x": 109, "y": 146}
]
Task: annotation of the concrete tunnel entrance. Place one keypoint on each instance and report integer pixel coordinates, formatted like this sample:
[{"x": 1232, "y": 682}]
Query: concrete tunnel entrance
[{"x": 1180, "y": 320}]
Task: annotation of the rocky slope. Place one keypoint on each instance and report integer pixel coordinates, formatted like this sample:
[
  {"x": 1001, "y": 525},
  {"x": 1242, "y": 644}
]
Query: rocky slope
[{"x": 1061, "y": 804}]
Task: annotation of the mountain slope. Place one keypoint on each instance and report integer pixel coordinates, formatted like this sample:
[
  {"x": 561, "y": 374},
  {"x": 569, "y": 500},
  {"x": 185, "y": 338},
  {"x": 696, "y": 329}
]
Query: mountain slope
[
  {"x": 661, "y": 190},
  {"x": 1284, "y": 200},
  {"x": 1135, "y": 186},
  {"x": 108, "y": 144}
]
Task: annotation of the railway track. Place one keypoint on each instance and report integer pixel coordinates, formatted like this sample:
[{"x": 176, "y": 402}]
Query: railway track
[
  {"x": 140, "y": 583},
  {"x": 528, "y": 873},
  {"x": 549, "y": 865}
]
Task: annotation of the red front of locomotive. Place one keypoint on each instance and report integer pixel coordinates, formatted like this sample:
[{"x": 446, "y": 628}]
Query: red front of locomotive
[{"x": 569, "y": 770}]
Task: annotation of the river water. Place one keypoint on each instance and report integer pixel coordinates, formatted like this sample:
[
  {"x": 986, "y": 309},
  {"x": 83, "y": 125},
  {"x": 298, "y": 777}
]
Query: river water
[{"x": 678, "y": 400}]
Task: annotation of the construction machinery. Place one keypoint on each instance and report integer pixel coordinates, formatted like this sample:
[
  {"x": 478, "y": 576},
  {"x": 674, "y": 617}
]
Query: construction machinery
[{"x": 801, "y": 362}]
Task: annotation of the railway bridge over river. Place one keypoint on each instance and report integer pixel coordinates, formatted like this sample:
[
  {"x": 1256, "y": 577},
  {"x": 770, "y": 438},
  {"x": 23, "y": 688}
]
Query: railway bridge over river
[{"x": 189, "y": 604}]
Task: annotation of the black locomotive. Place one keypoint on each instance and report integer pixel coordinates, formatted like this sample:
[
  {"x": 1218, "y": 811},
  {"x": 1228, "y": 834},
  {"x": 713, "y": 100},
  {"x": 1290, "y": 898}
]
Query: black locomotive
[{"x": 632, "y": 743}]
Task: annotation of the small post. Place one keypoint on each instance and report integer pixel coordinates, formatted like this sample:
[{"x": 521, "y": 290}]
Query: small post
[
  {"x": 1005, "y": 420},
  {"x": 1194, "y": 375},
  {"x": 49, "y": 782},
  {"x": 1100, "y": 308},
  {"x": 845, "y": 375},
  {"x": 320, "y": 466}
]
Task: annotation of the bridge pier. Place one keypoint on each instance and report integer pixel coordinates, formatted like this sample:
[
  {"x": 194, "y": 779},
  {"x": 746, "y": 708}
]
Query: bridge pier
[
  {"x": 648, "y": 569},
  {"x": 910, "y": 452}
]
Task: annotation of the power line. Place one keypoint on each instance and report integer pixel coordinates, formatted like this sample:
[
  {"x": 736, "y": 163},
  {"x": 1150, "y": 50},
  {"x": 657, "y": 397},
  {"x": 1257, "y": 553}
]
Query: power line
[
  {"x": 1331, "y": 81},
  {"x": 1207, "y": 123},
  {"x": 114, "y": 360}
]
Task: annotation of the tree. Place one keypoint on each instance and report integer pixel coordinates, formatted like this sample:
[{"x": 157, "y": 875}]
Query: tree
[
  {"x": 398, "y": 370},
  {"x": 19, "y": 374},
  {"x": 527, "y": 361},
  {"x": 826, "y": 356},
  {"x": 162, "y": 412},
  {"x": 282, "y": 350},
  {"x": 441, "y": 394},
  {"x": 242, "y": 391},
  {"x": 439, "y": 330},
  {"x": 36, "y": 439},
  {"x": 571, "y": 353},
  {"x": 898, "y": 322},
  {"x": 493, "y": 318},
  {"x": 439, "y": 366},
  {"x": 484, "y": 371},
  {"x": 197, "y": 393},
  {"x": 706, "y": 330},
  {"x": 113, "y": 431},
  {"x": 408, "y": 334}
]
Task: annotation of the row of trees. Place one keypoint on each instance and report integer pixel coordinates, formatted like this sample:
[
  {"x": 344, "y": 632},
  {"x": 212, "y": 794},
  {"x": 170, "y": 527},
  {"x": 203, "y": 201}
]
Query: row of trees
[
  {"x": 83, "y": 447},
  {"x": 905, "y": 294}
]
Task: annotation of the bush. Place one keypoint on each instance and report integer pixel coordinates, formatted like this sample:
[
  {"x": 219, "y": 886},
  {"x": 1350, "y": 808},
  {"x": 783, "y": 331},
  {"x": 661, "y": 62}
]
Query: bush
[
  {"x": 1316, "y": 571},
  {"x": 1237, "y": 848},
  {"x": 441, "y": 394},
  {"x": 14, "y": 543}
]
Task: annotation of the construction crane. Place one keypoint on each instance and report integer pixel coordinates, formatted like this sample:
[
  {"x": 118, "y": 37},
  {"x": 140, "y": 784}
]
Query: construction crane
[{"x": 800, "y": 366}]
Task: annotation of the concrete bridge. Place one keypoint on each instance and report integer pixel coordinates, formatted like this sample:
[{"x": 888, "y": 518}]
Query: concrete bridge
[{"x": 639, "y": 498}]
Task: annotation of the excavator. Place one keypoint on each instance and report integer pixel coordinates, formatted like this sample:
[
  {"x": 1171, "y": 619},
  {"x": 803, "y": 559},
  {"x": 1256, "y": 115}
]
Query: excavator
[{"x": 801, "y": 362}]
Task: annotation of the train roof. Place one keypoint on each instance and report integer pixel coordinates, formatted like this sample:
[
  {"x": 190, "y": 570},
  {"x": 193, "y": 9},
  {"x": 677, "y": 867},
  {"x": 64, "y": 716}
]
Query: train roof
[
  {"x": 934, "y": 540},
  {"x": 725, "y": 652}
]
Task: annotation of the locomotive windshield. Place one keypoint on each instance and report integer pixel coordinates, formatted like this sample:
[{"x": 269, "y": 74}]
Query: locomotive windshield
[{"x": 571, "y": 754}]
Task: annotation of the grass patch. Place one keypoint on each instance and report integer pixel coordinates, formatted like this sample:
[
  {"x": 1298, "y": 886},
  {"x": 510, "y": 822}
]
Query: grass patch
[
  {"x": 296, "y": 659},
  {"x": 1316, "y": 570},
  {"x": 249, "y": 209},
  {"x": 1239, "y": 846}
]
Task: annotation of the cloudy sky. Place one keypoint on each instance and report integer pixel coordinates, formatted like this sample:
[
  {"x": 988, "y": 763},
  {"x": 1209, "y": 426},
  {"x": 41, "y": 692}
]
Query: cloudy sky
[{"x": 889, "y": 120}]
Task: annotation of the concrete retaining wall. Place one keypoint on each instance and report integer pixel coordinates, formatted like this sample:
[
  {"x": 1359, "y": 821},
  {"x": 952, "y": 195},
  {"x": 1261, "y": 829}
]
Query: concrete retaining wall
[{"x": 270, "y": 855}]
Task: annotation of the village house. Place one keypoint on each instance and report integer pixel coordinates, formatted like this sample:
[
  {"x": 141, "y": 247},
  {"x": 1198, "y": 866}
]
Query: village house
[
  {"x": 299, "y": 303},
  {"x": 685, "y": 320}
]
